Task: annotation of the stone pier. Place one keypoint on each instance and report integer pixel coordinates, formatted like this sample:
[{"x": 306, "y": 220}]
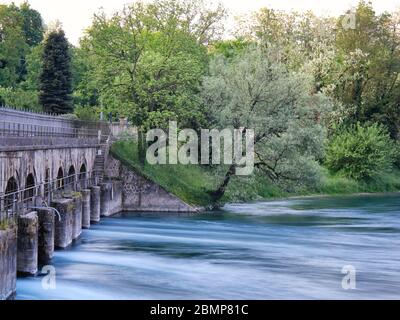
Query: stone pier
[
  {"x": 27, "y": 256},
  {"x": 77, "y": 216},
  {"x": 95, "y": 204},
  {"x": 105, "y": 198},
  {"x": 85, "y": 208},
  {"x": 63, "y": 227},
  {"x": 115, "y": 203},
  {"x": 8, "y": 262},
  {"x": 46, "y": 218}
]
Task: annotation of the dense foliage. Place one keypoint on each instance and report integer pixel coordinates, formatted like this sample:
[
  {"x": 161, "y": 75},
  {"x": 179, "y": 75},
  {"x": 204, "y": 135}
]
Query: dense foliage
[
  {"x": 361, "y": 152},
  {"x": 320, "y": 92},
  {"x": 147, "y": 61},
  {"x": 21, "y": 31},
  {"x": 256, "y": 91}
]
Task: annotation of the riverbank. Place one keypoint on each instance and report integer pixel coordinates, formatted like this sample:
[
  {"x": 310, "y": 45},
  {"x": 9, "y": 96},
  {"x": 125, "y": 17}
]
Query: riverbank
[
  {"x": 194, "y": 184},
  {"x": 259, "y": 188}
]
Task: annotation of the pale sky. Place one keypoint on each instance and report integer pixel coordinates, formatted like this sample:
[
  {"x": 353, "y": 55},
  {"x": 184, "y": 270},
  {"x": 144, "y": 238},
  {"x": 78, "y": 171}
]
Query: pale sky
[{"x": 75, "y": 15}]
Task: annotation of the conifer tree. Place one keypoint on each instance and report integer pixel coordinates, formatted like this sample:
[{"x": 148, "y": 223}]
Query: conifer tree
[{"x": 56, "y": 76}]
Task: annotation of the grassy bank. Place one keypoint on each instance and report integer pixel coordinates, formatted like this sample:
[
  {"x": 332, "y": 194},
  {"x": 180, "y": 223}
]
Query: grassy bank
[
  {"x": 190, "y": 183},
  {"x": 193, "y": 183}
]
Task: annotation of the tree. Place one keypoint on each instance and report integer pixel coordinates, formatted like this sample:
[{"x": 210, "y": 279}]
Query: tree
[
  {"x": 300, "y": 36},
  {"x": 19, "y": 27},
  {"x": 358, "y": 66},
  {"x": 12, "y": 46},
  {"x": 255, "y": 91},
  {"x": 147, "y": 61},
  {"x": 370, "y": 58},
  {"x": 32, "y": 25},
  {"x": 33, "y": 63},
  {"x": 56, "y": 78}
]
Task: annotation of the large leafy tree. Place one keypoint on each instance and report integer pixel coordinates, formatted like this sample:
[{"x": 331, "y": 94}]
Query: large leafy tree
[
  {"x": 256, "y": 91},
  {"x": 32, "y": 24},
  {"x": 56, "y": 77},
  {"x": 370, "y": 56},
  {"x": 300, "y": 36},
  {"x": 21, "y": 30},
  {"x": 147, "y": 61},
  {"x": 12, "y": 46},
  {"x": 357, "y": 65}
]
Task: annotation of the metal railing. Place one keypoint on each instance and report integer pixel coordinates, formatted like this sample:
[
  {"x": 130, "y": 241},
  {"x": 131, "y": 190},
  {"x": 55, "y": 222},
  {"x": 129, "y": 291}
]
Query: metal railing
[
  {"x": 15, "y": 136},
  {"x": 11, "y": 129},
  {"x": 18, "y": 201}
]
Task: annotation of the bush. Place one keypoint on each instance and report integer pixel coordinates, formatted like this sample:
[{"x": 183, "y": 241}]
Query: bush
[
  {"x": 87, "y": 113},
  {"x": 361, "y": 152},
  {"x": 19, "y": 98}
]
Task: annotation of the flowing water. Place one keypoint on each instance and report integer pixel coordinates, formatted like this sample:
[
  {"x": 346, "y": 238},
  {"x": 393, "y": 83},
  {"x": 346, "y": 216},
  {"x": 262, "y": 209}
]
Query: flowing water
[{"x": 290, "y": 249}]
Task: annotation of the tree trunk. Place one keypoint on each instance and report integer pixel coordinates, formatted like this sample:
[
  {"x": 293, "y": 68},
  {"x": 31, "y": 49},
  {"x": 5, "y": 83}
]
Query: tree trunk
[{"x": 219, "y": 193}]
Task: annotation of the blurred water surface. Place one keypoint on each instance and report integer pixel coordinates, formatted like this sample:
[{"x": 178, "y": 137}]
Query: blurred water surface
[{"x": 289, "y": 249}]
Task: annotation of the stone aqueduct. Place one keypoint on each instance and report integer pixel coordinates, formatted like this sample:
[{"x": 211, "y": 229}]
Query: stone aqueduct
[{"x": 40, "y": 153}]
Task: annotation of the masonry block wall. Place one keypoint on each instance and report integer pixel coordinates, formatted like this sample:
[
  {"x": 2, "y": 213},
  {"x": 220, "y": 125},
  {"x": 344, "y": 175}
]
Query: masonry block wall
[{"x": 141, "y": 194}]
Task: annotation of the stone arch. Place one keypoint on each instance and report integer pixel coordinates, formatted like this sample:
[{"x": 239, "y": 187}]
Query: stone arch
[
  {"x": 11, "y": 193},
  {"x": 71, "y": 178},
  {"x": 83, "y": 176},
  {"x": 60, "y": 183},
  {"x": 30, "y": 185}
]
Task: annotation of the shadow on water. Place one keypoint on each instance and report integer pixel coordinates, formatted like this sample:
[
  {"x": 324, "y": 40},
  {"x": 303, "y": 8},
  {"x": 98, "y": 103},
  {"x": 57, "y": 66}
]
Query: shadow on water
[{"x": 288, "y": 249}]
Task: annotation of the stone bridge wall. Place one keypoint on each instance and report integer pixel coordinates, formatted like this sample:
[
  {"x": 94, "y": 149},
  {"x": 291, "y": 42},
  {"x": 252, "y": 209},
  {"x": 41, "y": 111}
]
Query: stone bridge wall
[
  {"x": 19, "y": 164},
  {"x": 36, "y": 143}
]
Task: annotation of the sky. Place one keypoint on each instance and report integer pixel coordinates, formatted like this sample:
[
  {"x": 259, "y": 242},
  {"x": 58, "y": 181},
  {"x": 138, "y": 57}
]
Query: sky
[{"x": 76, "y": 15}]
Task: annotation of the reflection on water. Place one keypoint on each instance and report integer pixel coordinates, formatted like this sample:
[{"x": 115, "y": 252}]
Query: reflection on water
[{"x": 292, "y": 249}]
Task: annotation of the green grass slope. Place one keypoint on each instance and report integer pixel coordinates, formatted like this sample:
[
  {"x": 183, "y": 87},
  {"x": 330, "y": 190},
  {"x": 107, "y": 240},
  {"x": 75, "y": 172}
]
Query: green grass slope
[{"x": 193, "y": 183}]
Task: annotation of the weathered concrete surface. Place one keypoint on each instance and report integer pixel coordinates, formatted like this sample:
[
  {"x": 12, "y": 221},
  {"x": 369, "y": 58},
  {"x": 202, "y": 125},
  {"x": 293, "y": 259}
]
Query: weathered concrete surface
[
  {"x": 141, "y": 194},
  {"x": 77, "y": 223},
  {"x": 85, "y": 208},
  {"x": 105, "y": 198},
  {"x": 46, "y": 218},
  {"x": 115, "y": 203},
  {"x": 95, "y": 204},
  {"x": 8, "y": 262},
  {"x": 19, "y": 164},
  {"x": 27, "y": 256},
  {"x": 63, "y": 228},
  {"x": 76, "y": 214}
]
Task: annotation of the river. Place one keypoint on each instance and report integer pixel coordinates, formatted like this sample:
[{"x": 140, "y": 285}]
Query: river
[{"x": 288, "y": 249}]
